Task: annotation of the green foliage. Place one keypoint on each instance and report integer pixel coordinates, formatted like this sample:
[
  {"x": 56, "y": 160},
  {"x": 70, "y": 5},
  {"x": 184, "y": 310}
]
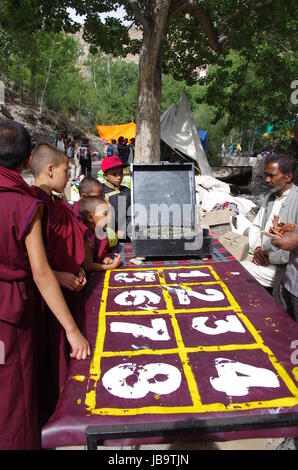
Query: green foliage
[
  {"x": 249, "y": 80},
  {"x": 204, "y": 119},
  {"x": 112, "y": 90}
]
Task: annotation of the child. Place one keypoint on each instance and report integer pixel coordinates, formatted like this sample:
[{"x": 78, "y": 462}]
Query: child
[
  {"x": 117, "y": 195},
  {"x": 23, "y": 259},
  {"x": 65, "y": 234},
  {"x": 88, "y": 187},
  {"x": 65, "y": 250},
  {"x": 95, "y": 213}
]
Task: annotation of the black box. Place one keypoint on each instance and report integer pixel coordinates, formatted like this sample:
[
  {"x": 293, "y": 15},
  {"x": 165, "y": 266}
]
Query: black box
[{"x": 164, "y": 214}]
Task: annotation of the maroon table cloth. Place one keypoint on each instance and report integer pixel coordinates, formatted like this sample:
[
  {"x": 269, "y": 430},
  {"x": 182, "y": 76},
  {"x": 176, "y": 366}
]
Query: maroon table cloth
[{"x": 179, "y": 340}]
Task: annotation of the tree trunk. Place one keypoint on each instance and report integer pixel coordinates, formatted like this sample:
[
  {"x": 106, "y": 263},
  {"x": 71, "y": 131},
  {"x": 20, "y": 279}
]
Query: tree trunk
[
  {"x": 147, "y": 148},
  {"x": 45, "y": 88},
  {"x": 32, "y": 85}
]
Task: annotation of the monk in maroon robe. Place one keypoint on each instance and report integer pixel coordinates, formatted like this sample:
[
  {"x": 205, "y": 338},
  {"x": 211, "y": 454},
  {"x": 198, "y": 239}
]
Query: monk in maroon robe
[
  {"x": 95, "y": 213},
  {"x": 88, "y": 187},
  {"x": 22, "y": 259},
  {"x": 18, "y": 317},
  {"x": 66, "y": 253}
]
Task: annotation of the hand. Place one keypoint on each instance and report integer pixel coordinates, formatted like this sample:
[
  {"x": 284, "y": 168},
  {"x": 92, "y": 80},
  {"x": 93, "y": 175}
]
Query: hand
[
  {"x": 69, "y": 280},
  {"x": 288, "y": 241},
  {"x": 82, "y": 277},
  {"x": 80, "y": 348},
  {"x": 117, "y": 261},
  {"x": 120, "y": 235},
  {"x": 260, "y": 257},
  {"x": 280, "y": 227},
  {"x": 107, "y": 260}
]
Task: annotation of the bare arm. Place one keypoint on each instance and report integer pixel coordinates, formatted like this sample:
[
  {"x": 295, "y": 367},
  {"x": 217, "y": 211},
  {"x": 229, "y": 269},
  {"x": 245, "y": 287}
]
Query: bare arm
[
  {"x": 91, "y": 266},
  {"x": 49, "y": 288}
]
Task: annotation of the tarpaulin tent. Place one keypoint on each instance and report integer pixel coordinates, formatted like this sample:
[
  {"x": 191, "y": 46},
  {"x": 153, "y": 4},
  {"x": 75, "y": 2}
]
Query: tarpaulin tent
[
  {"x": 128, "y": 131},
  {"x": 178, "y": 131}
]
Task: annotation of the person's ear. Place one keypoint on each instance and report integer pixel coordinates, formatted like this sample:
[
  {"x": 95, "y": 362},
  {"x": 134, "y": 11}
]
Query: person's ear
[
  {"x": 289, "y": 178},
  {"x": 90, "y": 217},
  {"x": 50, "y": 170},
  {"x": 27, "y": 162},
  {"x": 84, "y": 195}
]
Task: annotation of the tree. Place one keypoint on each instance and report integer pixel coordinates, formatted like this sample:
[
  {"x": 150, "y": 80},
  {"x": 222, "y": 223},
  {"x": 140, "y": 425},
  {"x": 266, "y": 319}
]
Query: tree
[
  {"x": 179, "y": 35},
  {"x": 23, "y": 20}
]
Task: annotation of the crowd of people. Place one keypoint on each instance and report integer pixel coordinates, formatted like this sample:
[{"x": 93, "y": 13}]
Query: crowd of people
[
  {"x": 232, "y": 151},
  {"x": 48, "y": 248},
  {"x": 80, "y": 153}
]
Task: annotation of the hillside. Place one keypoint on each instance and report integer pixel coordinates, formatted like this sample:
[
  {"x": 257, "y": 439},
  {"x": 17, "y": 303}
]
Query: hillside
[{"x": 43, "y": 130}]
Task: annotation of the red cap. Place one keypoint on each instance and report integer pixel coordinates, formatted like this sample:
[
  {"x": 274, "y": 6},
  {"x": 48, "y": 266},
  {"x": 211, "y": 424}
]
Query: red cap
[{"x": 111, "y": 162}]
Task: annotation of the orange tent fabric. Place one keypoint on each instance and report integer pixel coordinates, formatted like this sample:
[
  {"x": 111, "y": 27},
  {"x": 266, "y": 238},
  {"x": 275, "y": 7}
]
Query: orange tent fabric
[{"x": 114, "y": 132}]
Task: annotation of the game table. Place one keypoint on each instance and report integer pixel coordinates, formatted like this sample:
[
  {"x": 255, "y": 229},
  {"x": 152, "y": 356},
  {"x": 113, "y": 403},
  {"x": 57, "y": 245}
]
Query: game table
[{"x": 182, "y": 350}]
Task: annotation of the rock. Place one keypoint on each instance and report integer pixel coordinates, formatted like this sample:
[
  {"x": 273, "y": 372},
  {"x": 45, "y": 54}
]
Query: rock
[
  {"x": 6, "y": 112},
  {"x": 236, "y": 175},
  {"x": 258, "y": 183}
]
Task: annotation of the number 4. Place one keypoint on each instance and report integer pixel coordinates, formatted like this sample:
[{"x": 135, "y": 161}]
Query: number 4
[{"x": 230, "y": 382}]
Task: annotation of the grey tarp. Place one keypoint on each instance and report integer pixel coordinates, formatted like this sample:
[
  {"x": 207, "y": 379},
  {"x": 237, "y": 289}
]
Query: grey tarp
[{"x": 178, "y": 130}]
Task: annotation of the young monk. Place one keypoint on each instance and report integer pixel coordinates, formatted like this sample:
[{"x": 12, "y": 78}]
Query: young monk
[
  {"x": 23, "y": 260},
  {"x": 92, "y": 187},
  {"x": 65, "y": 234},
  {"x": 95, "y": 214},
  {"x": 88, "y": 187},
  {"x": 65, "y": 250}
]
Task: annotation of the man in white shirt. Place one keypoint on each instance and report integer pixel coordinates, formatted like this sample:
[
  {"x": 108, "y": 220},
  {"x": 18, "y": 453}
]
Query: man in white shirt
[
  {"x": 61, "y": 144},
  {"x": 268, "y": 263}
]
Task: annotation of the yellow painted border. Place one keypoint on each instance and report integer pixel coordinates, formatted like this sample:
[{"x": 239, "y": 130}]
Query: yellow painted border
[{"x": 181, "y": 350}]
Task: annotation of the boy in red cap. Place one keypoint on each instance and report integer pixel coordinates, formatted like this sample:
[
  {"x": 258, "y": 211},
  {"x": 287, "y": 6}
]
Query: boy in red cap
[{"x": 117, "y": 195}]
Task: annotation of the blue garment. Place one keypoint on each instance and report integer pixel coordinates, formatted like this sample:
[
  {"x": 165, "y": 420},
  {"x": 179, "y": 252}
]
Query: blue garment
[{"x": 203, "y": 137}]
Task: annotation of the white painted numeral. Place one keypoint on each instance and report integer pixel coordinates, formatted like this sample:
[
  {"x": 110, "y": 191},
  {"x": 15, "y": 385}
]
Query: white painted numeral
[
  {"x": 212, "y": 295},
  {"x": 132, "y": 381},
  {"x": 140, "y": 297},
  {"x": 230, "y": 382},
  {"x": 158, "y": 331},
  {"x": 191, "y": 274},
  {"x": 148, "y": 276},
  {"x": 230, "y": 324}
]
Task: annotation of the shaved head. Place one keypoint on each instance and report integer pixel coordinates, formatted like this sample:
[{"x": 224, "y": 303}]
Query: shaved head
[
  {"x": 90, "y": 185},
  {"x": 45, "y": 155},
  {"x": 89, "y": 205},
  {"x": 15, "y": 144}
]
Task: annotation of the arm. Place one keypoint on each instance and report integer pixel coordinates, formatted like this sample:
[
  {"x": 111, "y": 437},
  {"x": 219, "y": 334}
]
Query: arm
[
  {"x": 255, "y": 240},
  {"x": 254, "y": 236},
  {"x": 49, "y": 288},
  {"x": 91, "y": 266}
]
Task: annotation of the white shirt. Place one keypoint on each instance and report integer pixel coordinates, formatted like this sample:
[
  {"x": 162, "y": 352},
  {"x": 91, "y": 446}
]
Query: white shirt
[
  {"x": 60, "y": 145},
  {"x": 265, "y": 275}
]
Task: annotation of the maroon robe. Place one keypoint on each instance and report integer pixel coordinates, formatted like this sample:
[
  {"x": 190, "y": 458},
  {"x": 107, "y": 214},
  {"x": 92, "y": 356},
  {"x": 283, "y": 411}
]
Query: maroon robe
[
  {"x": 76, "y": 209},
  {"x": 19, "y": 427},
  {"x": 65, "y": 235},
  {"x": 66, "y": 253},
  {"x": 100, "y": 248}
]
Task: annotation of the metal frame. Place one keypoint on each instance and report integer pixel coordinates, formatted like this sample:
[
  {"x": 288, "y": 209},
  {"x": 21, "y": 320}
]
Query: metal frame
[{"x": 96, "y": 435}]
